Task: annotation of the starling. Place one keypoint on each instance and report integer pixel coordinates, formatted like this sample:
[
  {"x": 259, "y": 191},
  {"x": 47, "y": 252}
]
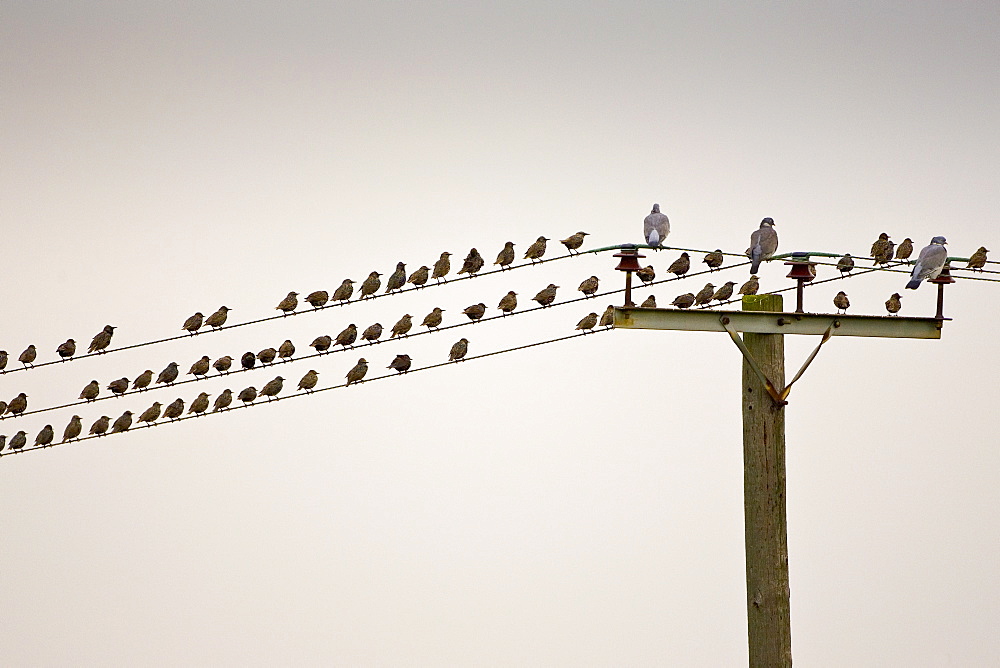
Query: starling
[
  {"x": 247, "y": 394},
  {"x": 763, "y": 244},
  {"x": 44, "y": 437},
  {"x": 18, "y": 404},
  {"x": 223, "y": 400},
  {"x": 930, "y": 262},
  {"x": 574, "y": 242},
  {"x": 267, "y": 355},
  {"x": 681, "y": 265},
  {"x": 200, "y": 404},
  {"x": 143, "y": 380},
  {"x": 370, "y": 285},
  {"x": 119, "y": 387},
  {"x": 536, "y": 250},
  {"x": 608, "y": 317},
  {"x": 841, "y": 302},
  {"x": 3, "y": 407},
  {"x": 101, "y": 340},
  {"x": 28, "y": 356},
  {"x": 322, "y": 343},
  {"x": 18, "y": 440},
  {"x": 458, "y": 350},
  {"x": 358, "y": 372},
  {"x": 318, "y": 298},
  {"x": 309, "y": 381},
  {"x": 272, "y": 388},
  {"x": 506, "y": 256},
  {"x": 655, "y": 227},
  {"x": 288, "y": 304},
  {"x": 905, "y": 249},
  {"x": 750, "y": 287},
  {"x": 344, "y": 292},
  {"x": 3, "y": 359},
  {"x": 589, "y": 286},
  {"x": 845, "y": 264},
  {"x": 100, "y": 427},
  {"x": 646, "y": 274},
  {"x": 402, "y": 327},
  {"x": 73, "y": 429},
  {"x": 419, "y": 277},
  {"x": 3, "y": 441},
  {"x": 218, "y": 319},
  {"x": 397, "y": 279},
  {"x": 475, "y": 312},
  {"x": 67, "y": 350},
  {"x": 193, "y": 324},
  {"x": 473, "y": 263},
  {"x": 589, "y": 322},
  {"x": 893, "y": 305},
  {"x": 201, "y": 367},
  {"x": 546, "y": 296},
  {"x": 441, "y": 267},
  {"x": 508, "y": 302},
  {"x": 286, "y": 350},
  {"x": 977, "y": 261},
  {"x": 175, "y": 409},
  {"x": 372, "y": 332},
  {"x": 882, "y": 249},
  {"x": 168, "y": 375},
  {"x": 433, "y": 319},
  {"x": 91, "y": 390},
  {"x": 704, "y": 295},
  {"x": 401, "y": 363},
  {"x": 223, "y": 364},
  {"x": 348, "y": 336},
  {"x": 714, "y": 259},
  {"x": 649, "y": 302},
  {"x": 248, "y": 360},
  {"x": 725, "y": 292},
  {"x": 151, "y": 414},
  {"x": 683, "y": 301}
]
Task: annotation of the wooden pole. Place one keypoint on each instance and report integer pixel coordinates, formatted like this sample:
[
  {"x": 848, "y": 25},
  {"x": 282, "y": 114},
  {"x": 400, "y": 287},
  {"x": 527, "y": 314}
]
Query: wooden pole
[{"x": 765, "y": 524}]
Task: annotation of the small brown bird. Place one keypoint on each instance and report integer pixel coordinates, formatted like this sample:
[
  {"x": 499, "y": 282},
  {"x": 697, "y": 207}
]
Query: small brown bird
[
  {"x": 649, "y": 302},
  {"x": 356, "y": 374},
  {"x": 397, "y": 279},
  {"x": 91, "y": 390},
  {"x": 248, "y": 361},
  {"x": 892, "y": 305},
  {"x": 174, "y": 410},
  {"x": 123, "y": 422},
  {"x": 536, "y": 250},
  {"x": 508, "y": 302},
  {"x": 704, "y": 295},
  {"x": 546, "y": 296},
  {"x": 168, "y": 375},
  {"x": 978, "y": 259},
  {"x": 272, "y": 388},
  {"x": 218, "y": 319},
  {"x": 370, "y": 285},
  {"x": 506, "y": 256},
  {"x": 28, "y": 356},
  {"x": 348, "y": 336},
  {"x": 322, "y": 343},
  {"x": 247, "y": 394},
  {"x": 151, "y": 414},
  {"x": 608, "y": 317},
  {"x": 724, "y": 292},
  {"x": 646, "y": 274},
  {"x": 18, "y": 440},
  {"x": 841, "y": 302},
  {"x": 475, "y": 312},
  {"x": 419, "y": 277},
  {"x": 200, "y": 404},
  {"x": 882, "y": 249},
  {"x": 683, "y": 301},
  {"x": 589, "y": 321},
  {"x": 286, "y": 350},
  {"x": 402, "y": 326},
  {"x": 18, "y": 404},
  {"x": 751, "y": 286},
  {"x": 194, "y": 323},
  {"x": 372, "y": 332},
  {"x": 100, "y": 426},
  {"x": 845, "y": 264},
  {"x": 44, "y": 437},
  {"x": 101, "y": 340},
  {"x": 574, "y": 241},
  {"x": 3, "y": 407},
  {"x": 318, "y": 298},
  {"x": 201, "y": 367},
  {"x": 288, "y": 304},
  {"x": 223, "y": 364},
  {"x": 441, "y": 267},
  {"x": 267, "y": 356},
  {"x": 143, "y": 380},
  {"x": 589, "y": 286},
  {"x": 3, "y": 360},
  {"x": 401, "y": 363},
  {"x": 714, "y": 259},
  {"x": 473, "y": 263},
  {"x": 905, "y": 249},
  {"x": 433, "y": 319},
  {"x": 73, "y": 429},
  {"x": 344, "y": 292},
  {"x": 223, "y": 400},
  {"x": 119, "y": 387},
  {"x": 67, "y": 349},
  {"x": 458, "y": 350},
  {"x": 309, "y": 381},
  {"x": 681, "y": 265}
]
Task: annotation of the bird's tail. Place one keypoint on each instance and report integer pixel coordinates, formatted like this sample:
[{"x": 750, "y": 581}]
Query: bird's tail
[
  {"x": 754, "y": 263},
  {"x": 654, "y": 238},
  {"x": 913, "y": 284}
]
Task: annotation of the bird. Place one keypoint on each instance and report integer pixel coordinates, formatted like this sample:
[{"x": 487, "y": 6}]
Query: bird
[
  {"x": 433, "y": 319},
  {"x": 223, "y": 400},
  {"x": 286, "y": 350},
  {"x": 905, "y": 249},
  {"x": 892, "y": 305},
  {"x": 308, "y": 381},
  {"x": 223, "y": 364},
  {"x": 649, "y": 302},
  {"x": 72, "y": 429},
  {"x": 842, "y": 302},
  {"x": 763, "y": 244},
  {"x": 143, "y": 380},
  {"x": 589, "y": 286},
  {"x": 475, "y": 312},
  {"x": 419, "y": 277},
  {"x": 845, "y": 264},
  {"x": 318, "y": 298},
  {"x": 402, "y": 326},
  {"x": 536, "y": 250},
  {"x": 344, "y": 292},
  {"x": 588, "y": 321},
  {"x": 882, "y": 249},
  {"x": 348, "y": 336},
  {"x": 370, "y": 285},
  {"x": 608, "y": 317},
  {"x": 3, "y": 359},
  {"x": 28, "y": 356},
  {"x": 321, "y": 343},
  {"x": 401, "y": 363},
  {"x": 724, "y": 292},
  {"x": 119, "y": 387},
  {"x": 506, "y": 256},
  {"x": 248, "y": 360},
  {"x": 3, "y": 407},
  {"x": 200, "y": 404},
  {"x": 683, "y": 301},
  {"x": 174, "y": 409},
  {"x": 646, "y": 274},
  {"x": 247, "y": 394},
  {"x": 218, "y": 319},
  {"x": 750, "y": 287},
  {"x": 714, "y": 259},
  {"x": 930, "y": 262},
  {"x": 18, "y": 404},
  {"x": 655, "y": 227},
  {"x": 151, "y": 414},
  {"x": 681, "y": 265},
  {"x": 977, "y": 261},
  {"x": 44, "y": 437},
  {"x": 267, "y": 355},
  {"x": 168, "y": 375},
  {"x": 3, "y": 441},
  {"x": 441, "y": 267},
  {"x": 101, "y": 340},
  {"x": 704, "y": 295},
  {"x": 458, "y": 350},
  {"x": 288, "y": 304},
  {"x": 574, "y": 241},
  {"x": 200, "y": 368},
  {"x": 67, "y": 349},
  {"x": 91, "y": 390},
  {"x": 358, "y": 372},
  {"x": 272, "y": 388},
  {"x": 547, "y": 295},
  {"x": 372, "y": 332},
  {"x": 100, "y": 426},
  {"x": 397, "y": 279},
  {"x": 123, "y": 422},
  {"x": 508, "y": 303},
  {"x": 194, "y": 323},
  {"x": 473, "y": 263},
  {"x": 18, "y": 440}
]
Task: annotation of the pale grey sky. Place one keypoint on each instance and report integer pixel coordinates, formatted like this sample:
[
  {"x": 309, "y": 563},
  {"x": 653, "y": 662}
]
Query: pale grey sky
[{"x": 573, "y": 504}]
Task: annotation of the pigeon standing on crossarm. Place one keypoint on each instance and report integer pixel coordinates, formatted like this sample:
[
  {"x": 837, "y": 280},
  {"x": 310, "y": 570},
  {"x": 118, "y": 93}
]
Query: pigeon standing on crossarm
[
  {"x": 763, "y": 244},
  {"x": 930, "y": 262},
  {"x": 656, "y": 227}
]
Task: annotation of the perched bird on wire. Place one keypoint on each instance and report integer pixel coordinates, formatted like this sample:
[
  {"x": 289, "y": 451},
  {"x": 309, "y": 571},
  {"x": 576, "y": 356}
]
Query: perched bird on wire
[
  {"x": 322, "y": 343},
  {"x": 655, "y": 227},
  {"x": 119, "y": 387},
  {"x": 978, "y": 259},
  {"x": 608, "y": 317},
  {"x": 73, "y": 429},
  {"x": 356, "y": 374},
  {"x": 506, "y": 256},
  {"x": 267, "y": 355},
  {"x": 200, "y": 404},
  {"x": 18, "y": 440},
  {"x": 892, "y": 305},
  {"x": 930, "y": 262},
  {"x": 91, "y": 390},
  {"x": 905, "y": 249},
  {"x": 882, "y": 249},
  {"x": 401, "y": 363},
  {"x": 370, "y": 285},
  {"x": 750, "y": 287},
  {"x": 536, "y": 250},
  {"x": 247, "y": 395},
  {"x": 508, "y": 302},
  {"x": 588, "y": 322},
  {"x": 200, "y": 368},
  {"x": 44, "y": 437},
  {"x": 272, "y": 388},
  {"x": 123, "y": 422},
  {"x": 151, "y": 414},
  {"x": 348, "y": 336},
  {"x": 174, "y": 409},
  {"x": 194, "y": 323},
  {"x": 714, "y": 259},
  {"x": 223, "y": 400},
  {"x": 681, "y": 265},
  {"x": 308, "y": 381},
  {"x": 763, "y": 244},
  {"x": 475, "y": 312},
  {"x": 473, "y": 263},
  {"x": 458, "y": 350},
  {"x": 433, "y": 319},
  {"x": 402, "y": 326},
  {"x": 842, "y": 302},
  {"x": 419, "y": 277},
  {"x": 3, "y": 360},
  {"x": 372, "y": 332},
  {"x": 218, "y": 319},
  {"x": 168, "y": 375},
  {"x": 649, "y": 302},
  {"x": 547, "y": 295},
  {"x": 28, "y": 356},
  {"x": 288, "y": 304},
  {"x": 343, "y": 293},
  {"x": 249, "y": 360},
  {"x": 397, "y": 279},
  {"x": 683, "y": 301},
  {"x": 441, "y": 267},
  {"x": 223, "y": 364},
  {"x": 101, "y": 340},
  {"x": 724, "y": 292},
  {"x": 18, "y": 404},
  {"x": 286, "y": 350},
  {"x": 845, "y": 264},
  {"x": 318, "y": 298},
  {"x": 3, "y": 407},
  {"x": 143, "y": 380},
  {"x": 3, "y": 441},
  {"x": 67, "y": 349},
  {"x": 704, "y": 295},
  {"x": 100, "y": 426},
  {"x": 573, "y": 242},
  {"x": 646, "y": 274},
  {"x": 589, "y": 286}
]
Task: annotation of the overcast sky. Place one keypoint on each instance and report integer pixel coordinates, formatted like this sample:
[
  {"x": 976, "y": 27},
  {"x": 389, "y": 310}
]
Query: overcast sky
[{"x": 573, "y": 504}]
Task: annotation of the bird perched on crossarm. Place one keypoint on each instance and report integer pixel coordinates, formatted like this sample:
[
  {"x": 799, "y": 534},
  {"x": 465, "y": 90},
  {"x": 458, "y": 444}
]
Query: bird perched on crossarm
[
  {"x": 930, "y": 262},
  {"x": 649, "y": 302},
  {"x": 842, "y": 302},
  {"x": 608, "y": 317},
  {"x": 683, "y": 301},
  {"x": 655, "y": 227},
  {"x": 892, "y": 305},
  {"x": 763, "y": 244},
  {"x": 704, "y": 295}
]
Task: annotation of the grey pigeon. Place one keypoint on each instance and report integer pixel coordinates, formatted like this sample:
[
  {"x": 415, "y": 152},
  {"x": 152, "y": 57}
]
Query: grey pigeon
[
  {"x": 397, "y": 279},
  {"x": 218, "y": 319},
  {"x": 101, "y": 340},
  {"x": 930, "y": 262},
  {"x": 73, "y": 429},
  {"x": 763, "y": 244},
  {"x": 656, "y": 227}
]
